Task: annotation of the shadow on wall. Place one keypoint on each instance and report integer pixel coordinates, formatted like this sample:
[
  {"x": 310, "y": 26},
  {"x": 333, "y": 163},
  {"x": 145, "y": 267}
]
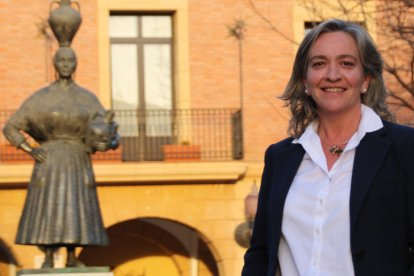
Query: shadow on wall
[
  {"x": 142, "y": 246},
  {"x": 7, "y": 260}
]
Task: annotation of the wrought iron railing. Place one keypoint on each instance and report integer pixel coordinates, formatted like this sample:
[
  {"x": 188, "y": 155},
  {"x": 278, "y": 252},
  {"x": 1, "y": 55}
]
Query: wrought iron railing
[{"x": 163, "y": 135}]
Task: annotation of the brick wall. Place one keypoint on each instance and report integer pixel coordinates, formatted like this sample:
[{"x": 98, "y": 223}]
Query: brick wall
[
  {"x": 25, "y": 56},
  {"x": 267, "y": 61},
  {"x": 214, "y": 60}
]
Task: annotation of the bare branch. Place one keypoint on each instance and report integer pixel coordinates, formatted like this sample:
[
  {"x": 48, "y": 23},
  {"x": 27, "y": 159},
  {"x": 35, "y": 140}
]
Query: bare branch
[
  {"x": 401, "y": 102},
  {"x": 270, "y": 23},
  {"x": 396, "y": 74}
]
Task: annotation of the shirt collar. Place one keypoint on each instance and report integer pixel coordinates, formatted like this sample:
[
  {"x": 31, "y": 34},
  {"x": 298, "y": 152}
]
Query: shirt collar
[{"x": 370, "y": 122}]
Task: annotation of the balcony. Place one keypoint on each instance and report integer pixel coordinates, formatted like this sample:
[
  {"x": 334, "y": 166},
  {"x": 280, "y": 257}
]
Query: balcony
[{"x": 162, "y": 136}]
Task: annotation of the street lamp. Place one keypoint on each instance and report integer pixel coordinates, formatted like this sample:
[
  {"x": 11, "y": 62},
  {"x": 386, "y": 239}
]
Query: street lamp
[{"x": 243, "y": 231}]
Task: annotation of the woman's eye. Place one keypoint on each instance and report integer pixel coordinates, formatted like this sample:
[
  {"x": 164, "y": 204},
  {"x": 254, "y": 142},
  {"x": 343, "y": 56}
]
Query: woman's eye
[
  {"x": 348, "y": 63},
  {"x": 317, "y": 64}
]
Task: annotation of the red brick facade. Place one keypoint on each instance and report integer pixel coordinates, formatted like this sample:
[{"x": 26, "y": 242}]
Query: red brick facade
[{"x": 214, "y": 61}]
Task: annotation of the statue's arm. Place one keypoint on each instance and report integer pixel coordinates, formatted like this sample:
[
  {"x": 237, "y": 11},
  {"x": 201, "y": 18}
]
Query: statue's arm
[
  {"x": 13, "y": 135},
  {"x": 16, "y": 138}
]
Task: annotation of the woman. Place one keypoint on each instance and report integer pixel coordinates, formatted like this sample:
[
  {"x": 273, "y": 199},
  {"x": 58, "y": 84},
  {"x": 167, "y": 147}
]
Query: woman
[
  {"x": 61, "y": 208},
  {"x": 337, "y": 197}
]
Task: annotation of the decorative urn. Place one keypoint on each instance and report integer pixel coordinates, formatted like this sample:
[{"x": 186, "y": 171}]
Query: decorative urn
[{"x": 65, "y": 21}]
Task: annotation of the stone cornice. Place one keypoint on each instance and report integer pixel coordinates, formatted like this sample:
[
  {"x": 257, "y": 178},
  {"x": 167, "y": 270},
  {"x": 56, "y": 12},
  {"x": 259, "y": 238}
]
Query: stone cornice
[{"x": 128, "y": 173}]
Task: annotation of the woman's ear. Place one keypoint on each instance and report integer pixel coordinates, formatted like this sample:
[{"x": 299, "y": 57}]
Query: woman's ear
[
  {"x": 305, "y": 87},
  {"x": 366, "y": 84}
]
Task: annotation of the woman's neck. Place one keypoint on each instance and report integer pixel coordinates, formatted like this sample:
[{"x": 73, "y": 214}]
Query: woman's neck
[
  {"x": 339, "y": 128},
  {"x": 335, "y": 131}
]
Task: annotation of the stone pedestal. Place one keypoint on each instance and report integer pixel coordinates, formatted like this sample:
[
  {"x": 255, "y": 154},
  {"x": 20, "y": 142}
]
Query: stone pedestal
[{"x": 68, "y": 271}]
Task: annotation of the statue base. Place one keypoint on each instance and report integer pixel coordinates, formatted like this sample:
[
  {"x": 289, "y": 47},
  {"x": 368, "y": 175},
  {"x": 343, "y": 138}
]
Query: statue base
[{"x": 68, "y": 271}]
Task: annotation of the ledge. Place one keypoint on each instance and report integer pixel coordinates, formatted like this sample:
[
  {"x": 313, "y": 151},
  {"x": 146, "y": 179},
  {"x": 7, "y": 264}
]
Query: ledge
[{"x": 123, "y": 173}]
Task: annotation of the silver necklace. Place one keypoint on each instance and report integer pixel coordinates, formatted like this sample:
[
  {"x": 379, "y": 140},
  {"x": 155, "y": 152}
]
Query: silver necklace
[{"x": 335, "y": 150}]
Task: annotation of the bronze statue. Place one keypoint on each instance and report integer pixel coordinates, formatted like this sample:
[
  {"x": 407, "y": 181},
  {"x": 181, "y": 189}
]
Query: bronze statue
[
  {"x": 61, "y": 207},
  {"x": 69, "y": 123}
]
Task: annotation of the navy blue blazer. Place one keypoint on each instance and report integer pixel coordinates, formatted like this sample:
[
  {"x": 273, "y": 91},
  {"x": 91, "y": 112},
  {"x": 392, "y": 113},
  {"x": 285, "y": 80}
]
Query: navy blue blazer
[{"x": 381, "y": 204}]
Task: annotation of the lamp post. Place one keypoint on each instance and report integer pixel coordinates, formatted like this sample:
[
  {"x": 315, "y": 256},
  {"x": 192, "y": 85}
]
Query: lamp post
[
  {"x": 237, "y": 30},
  {"x": 243, "y": 231}
]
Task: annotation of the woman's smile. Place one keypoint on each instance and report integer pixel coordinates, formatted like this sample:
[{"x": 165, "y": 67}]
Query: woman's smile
[{"x": 334, "y": 90}]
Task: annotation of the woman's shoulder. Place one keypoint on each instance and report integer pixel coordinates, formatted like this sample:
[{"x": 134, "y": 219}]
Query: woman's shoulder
[
  {"x": 402, "y": 140},
  {"x": 398, "y": 130},
  {"x": 402, "y": 137},
  {"x": 285, "y": 150},
  {"x": 281, "y": 145}
]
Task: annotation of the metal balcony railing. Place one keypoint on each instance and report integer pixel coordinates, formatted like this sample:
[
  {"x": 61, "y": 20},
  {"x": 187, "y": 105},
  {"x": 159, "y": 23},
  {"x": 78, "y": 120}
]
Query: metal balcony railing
[{"x": 163, "y": 135}]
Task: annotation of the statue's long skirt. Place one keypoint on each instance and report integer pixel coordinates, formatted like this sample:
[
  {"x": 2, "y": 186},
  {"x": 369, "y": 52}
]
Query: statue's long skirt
[{"x": 62, "y": 207}]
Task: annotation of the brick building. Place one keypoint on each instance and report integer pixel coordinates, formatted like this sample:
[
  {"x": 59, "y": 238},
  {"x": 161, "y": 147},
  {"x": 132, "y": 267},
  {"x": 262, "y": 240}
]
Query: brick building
[{"x": 163, "y": 217}]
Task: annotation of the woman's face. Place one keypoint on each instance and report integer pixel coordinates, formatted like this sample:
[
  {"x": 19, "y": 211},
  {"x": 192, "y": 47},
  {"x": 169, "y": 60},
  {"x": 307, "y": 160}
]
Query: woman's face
[
  {"x": 65, "y": 63},
  {"x": 335, "y": 78}
]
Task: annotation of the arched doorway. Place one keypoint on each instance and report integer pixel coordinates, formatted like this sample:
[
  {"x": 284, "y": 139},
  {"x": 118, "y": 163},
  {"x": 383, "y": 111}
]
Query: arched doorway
[{"x": 152, "y": 247}]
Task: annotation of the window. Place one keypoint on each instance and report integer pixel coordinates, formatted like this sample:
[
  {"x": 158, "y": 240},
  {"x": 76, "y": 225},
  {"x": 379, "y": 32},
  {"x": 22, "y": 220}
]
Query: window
[
  {"x": 141, "y": 60},
  {"x": 141, "y": 81}
]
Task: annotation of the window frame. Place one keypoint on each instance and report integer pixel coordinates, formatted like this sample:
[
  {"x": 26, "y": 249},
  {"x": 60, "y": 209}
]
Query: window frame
[{"x": 140, "y": 42}]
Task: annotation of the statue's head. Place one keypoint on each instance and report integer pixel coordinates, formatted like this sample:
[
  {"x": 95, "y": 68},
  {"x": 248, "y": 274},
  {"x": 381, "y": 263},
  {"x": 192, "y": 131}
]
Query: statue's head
[{"x": 65, "y": 62}]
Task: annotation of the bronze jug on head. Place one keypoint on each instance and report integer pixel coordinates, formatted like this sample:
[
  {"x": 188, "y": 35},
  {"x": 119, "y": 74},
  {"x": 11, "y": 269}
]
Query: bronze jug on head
[{"x": 65, "y": 21}]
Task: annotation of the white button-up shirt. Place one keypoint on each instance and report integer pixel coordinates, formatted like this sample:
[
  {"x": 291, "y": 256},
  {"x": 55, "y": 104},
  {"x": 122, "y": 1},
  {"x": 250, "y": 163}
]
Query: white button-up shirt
[{"x": 316, "y": 220}]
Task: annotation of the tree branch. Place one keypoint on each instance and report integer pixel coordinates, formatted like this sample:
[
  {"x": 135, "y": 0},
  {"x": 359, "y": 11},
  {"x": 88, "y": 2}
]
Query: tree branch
[{"x": 270, "y": 23}]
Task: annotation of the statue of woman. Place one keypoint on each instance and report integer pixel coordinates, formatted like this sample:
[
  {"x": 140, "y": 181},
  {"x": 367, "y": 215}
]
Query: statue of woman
[{"x": 69, "y": 123}]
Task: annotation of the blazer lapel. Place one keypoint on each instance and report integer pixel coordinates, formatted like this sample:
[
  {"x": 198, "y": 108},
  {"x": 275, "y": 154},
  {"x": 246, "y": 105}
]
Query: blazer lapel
[
  {"x": 286, "y": 164},
  {"x": 369, "y": 155}
]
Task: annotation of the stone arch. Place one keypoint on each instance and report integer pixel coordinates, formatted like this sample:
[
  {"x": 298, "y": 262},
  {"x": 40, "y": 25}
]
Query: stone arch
[{"x": 182, "y": 246}]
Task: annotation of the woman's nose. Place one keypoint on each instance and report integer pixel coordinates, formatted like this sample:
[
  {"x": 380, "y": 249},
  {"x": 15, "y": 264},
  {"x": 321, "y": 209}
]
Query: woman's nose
[{"x": 332, "y": 73}]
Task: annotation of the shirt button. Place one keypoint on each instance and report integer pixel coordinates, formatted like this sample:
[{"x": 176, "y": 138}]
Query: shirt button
[{"x": 321, "y": 201}]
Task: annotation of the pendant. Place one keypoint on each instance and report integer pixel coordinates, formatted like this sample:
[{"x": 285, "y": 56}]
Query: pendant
[{"x": 335, "y": 150}]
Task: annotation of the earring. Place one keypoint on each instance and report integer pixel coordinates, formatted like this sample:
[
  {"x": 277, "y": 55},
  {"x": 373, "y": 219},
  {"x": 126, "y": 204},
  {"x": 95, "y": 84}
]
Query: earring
[{"x": 364, "y": 91}]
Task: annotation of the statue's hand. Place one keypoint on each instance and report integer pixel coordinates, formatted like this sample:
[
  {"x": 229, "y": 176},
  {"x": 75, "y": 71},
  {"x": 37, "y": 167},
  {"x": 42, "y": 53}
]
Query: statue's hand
[
  {"x": 105, "y": 144},
  {"x": 39, "y": 154},
  {"x": 115, "y": 141},
  {"x": 101, "y": 145}
]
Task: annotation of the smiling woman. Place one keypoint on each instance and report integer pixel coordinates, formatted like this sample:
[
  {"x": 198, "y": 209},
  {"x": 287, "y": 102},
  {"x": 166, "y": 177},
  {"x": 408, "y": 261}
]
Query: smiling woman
[{"x": 321, "y": 208}]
